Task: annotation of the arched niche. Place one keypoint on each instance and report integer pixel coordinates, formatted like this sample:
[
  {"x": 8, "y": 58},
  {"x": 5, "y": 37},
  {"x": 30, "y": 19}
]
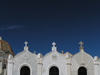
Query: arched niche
[
  {"x": 53, "y": 71},
  {"x": 25, "y": 70},
  {"x": 82, "y": 71}
]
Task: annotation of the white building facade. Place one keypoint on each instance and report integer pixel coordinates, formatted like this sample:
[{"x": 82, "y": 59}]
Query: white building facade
[{"x": 53, "y": 63}]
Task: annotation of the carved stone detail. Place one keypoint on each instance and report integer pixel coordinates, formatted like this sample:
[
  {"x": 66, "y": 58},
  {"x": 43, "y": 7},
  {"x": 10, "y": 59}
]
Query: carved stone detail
[
  {"x": 54, "y": 57},
  {"x": 25, "y": 56}
]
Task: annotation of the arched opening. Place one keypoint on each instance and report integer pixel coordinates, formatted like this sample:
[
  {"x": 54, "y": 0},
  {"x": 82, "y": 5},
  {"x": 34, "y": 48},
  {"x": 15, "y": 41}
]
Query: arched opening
[
  {"x": 54, "y": 71},
  {"x": 82, "y": 71},
  {"x": 25, "y": 70}
]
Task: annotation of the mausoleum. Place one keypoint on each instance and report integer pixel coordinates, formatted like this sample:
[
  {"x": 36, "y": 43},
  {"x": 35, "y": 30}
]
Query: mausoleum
[{"x": 53, "y": 63}]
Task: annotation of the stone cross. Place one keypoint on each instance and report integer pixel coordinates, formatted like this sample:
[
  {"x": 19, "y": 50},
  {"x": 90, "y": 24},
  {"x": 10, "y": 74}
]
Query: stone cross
[
  {"x": 62, "y": 51},
  {"x": 26, "y": 47},
  {"x": 81, "y": 43},
  {"x": 25, "y": 43},
  {"x": 54, "y": 48},
  {"x": 53, "y": 44},
  {"x": 34, "y": 52},
  {"x": 0, "y": 38}
]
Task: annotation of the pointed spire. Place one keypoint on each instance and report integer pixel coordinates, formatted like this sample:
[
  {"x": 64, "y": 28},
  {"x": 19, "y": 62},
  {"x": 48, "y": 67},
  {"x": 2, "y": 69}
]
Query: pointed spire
[
  {"x": 0, "y": 38},
  {"x": 81, "y": 45},
  {"x": 26, "y": 47},
  {"x": 53, "y": 48}
]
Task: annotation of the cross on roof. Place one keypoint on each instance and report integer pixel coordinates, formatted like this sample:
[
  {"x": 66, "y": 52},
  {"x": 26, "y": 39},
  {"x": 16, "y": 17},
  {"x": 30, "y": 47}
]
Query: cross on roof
[
  {"x": 81, "y": 43},
  {"x": 53, "y": 44},
  {"x": 25, "y": 43},
  {"x": 0, "y": 38},
  {"x": 62, "y": 51},
  {"x": 34, "y": 52}
]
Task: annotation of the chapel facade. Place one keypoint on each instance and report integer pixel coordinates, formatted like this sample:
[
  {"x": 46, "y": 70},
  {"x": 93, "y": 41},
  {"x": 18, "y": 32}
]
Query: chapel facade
[{"x": 53, "y": 63}]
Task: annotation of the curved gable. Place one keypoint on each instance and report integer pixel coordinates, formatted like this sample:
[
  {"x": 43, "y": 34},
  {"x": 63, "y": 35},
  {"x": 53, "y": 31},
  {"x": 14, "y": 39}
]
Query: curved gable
[
  {"x": 50, "y": 56},
  {"x": 82, "y": 59},
  {"x": 19, "y": 55},
  {"x": 25, "y": 58},
  {"x": 56, "y": 59}
]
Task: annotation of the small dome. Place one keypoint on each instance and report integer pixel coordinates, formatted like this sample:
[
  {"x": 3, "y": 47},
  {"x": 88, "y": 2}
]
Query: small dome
[{"x": 4, "y": 46}]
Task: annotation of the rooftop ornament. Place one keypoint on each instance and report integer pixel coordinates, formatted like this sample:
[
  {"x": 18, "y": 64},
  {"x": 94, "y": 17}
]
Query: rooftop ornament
[
  {"x": 0, "y": 38},
  {"x": 81, "y": 45},
  {"x": 26, "y": 47},
  {"x": 53, "y": 48},
  {"x": 62, "y": 51}
]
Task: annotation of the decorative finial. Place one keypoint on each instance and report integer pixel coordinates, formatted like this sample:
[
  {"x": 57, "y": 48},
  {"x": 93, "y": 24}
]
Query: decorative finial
[
  {"x": 81, "y": 45},
  {"x": 62, "y": 51},
  {"x": 25, "y": 43},
  {"x": 53, "y": 48},
  {"x": 0, "y": 38},
  {"x": 53, "y": 44},
  {"x": 34, "y": 52},
  {"x": 26, "y": 47}
]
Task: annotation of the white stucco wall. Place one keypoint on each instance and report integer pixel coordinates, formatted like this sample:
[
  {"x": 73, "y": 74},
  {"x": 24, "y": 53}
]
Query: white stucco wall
[
  {"x": 40, "y": 65},
  {"x": 25, "y": 58},
  {"x": 54, "y": 58},
  {"x": 82, "y": 59}
]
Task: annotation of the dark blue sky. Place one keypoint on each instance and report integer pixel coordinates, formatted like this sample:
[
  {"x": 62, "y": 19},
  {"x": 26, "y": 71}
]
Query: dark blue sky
[{"x": 42, "y": 22}]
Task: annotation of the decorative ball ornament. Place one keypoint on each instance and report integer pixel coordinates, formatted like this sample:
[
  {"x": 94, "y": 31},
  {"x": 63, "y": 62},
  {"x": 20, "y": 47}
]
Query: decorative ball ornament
[{"x": 54, "y": 57}]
